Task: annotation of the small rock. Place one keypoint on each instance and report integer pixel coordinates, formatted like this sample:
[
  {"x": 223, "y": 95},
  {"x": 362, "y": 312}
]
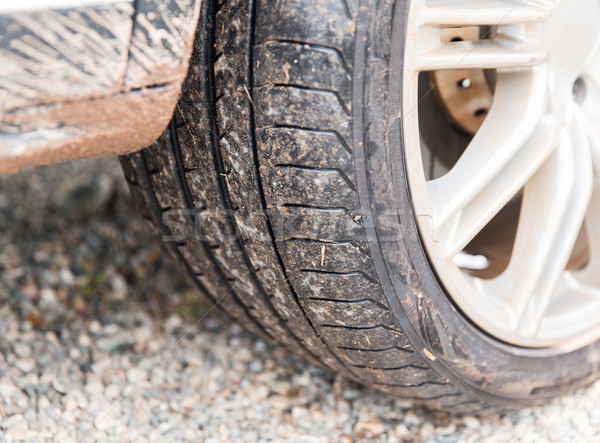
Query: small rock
[
  {"x": 142, "y": 336},
  {"x": 427, "y": 430},
  {"x": 299, "y": 412},
  {"x": 22, "y": 350},
  {"x": 402, "y": 431},
  {"x": 411, "y": 419},
  {"x": 446, "y": 430},
  {"x": 172, "y": 323},
  {"x": 7, "y": 388},
  {"x": 95, "y": 327},
  {"x": 66, "y": 276},
  {"x": 111, "y": 329},
  {"x": 78, "y": 304},
  {"x": 80, "y": 200},
  {"x": 25, "y": 364},
  {"x": 369, "y": 429},
  {"x": 58, "y": 387},
  {"x": 43, "y": 403},
  {"x": 16, "y": 434},
  {"x": 104, "y": 419},
  {"x": 113, "y": 390},
  {"x": 118, "y": 286},
  {"x": 134, "y": 375},
  {"x": 48, "y": 298},
  {"x": 351, "y": 393},
  {"x": 115, "y": 343},
  {"x": 30, "y": 291},
  {"x": 74, "y": 354},
  {"x": 94, "y": 387},
  {"x": 14, "y": 421},
  {"x": 471, "y": 422},
  {"x": 85, "y": 340},
  {"x": 279, "y": 402},
  {"x": 255, "y": 366},
  {"x": 30, "y": 415}
]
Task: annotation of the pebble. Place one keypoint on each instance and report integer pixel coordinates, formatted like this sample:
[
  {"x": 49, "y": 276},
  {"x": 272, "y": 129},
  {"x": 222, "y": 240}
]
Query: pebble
[
  {"x": 14, "y": 421},
  {"x": 351, "y": 393},
  {"x": 85, "y": 340},
  {"x": 427, "y": 430},
  {"x": 135, "y": 375},
  {"x": 79, "y": 199},
  {"x": 58, "y": 387},
  {"x": 25, "y": 364},
  {"x": 470, "y": 421},
  {"x": 95, "y": 327},
  {"x": 446, "y": 430},
  {"x": 369, "y": 429},
  {"x": 402, "y": 430},
  {"x": 118, "y": 287},
  {"x": 22, "y": 350},
  {"x": 118, "y": 342},
  {"x": 412, "y": 419}
]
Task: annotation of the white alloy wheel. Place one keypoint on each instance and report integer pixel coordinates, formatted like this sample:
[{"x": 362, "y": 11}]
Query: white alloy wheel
[{"x": 538, "y": 148}]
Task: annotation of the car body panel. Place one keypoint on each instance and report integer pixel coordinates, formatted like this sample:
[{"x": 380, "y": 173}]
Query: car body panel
[{"x": 89, "y": 78}]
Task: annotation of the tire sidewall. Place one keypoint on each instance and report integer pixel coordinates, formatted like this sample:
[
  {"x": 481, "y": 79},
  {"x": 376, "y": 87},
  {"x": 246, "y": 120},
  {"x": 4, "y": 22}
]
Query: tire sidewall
[{"x": 498, "y": 373}]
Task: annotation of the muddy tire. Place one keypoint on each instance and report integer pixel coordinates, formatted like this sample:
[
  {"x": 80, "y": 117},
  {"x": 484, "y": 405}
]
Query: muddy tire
[{"x": 281, "y": 190}]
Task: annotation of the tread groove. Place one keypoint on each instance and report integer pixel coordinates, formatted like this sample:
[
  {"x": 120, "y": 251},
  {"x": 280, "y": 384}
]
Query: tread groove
[
  {"x": 399, "y": 368},
  {"x": 308, "y": 88},
  {"x": 308, "y": 129},
  {"x": 313, "y": 168},
  {"x": 346, "y": 8},
  {"x": 417, "y": 385},
  {"x": 356, "y": 328},
  {"x": 310, "y": 44},
  {"x": 349, "y": 302},
  {"x": 328, "y": 243},
  {"x": 318, "y": 271},
  {"x": 324, "y": 208},
  {"x": 391, "y": 348},
  {"x": 350, "y": 242}
]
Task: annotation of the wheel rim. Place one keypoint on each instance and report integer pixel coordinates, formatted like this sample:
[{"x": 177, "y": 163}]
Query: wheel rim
[{"x": 539, "y": 144}]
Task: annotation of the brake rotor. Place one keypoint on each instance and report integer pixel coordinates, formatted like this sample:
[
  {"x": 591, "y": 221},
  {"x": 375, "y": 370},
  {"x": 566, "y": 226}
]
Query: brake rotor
[{"x": 464, "y": 95}]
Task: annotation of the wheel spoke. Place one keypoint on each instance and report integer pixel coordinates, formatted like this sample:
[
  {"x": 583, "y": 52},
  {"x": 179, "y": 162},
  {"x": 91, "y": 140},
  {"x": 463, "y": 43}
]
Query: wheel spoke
[
  {"x": 547, "y": 232},
  {"x": 594, "y": 70},
  {"x": 483, "y": 54},
  {"x": 592, "y": 126},
  {"x": 590, "y": 113},
  {"x": 592, "y": 221},
  {"x": 490, "y": 12},
  {"x": 507, "y": 131},
  {"x": 500, "y": 190},
  {"x": 517, "y": 45},
  {"x": 590, "y": 121}
]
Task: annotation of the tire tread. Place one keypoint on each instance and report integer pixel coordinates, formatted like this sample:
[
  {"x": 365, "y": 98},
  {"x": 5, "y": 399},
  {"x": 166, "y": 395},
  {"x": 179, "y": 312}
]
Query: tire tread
[{"x": 260, "y": 152}]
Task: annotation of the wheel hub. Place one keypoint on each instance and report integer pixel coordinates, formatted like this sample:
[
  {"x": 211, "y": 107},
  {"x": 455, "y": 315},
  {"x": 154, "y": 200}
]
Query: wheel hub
[{"x": 537, "y": 150}]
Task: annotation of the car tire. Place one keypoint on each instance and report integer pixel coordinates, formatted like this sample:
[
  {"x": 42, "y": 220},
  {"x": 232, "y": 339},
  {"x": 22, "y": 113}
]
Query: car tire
[{"x": 281, "y": 188}]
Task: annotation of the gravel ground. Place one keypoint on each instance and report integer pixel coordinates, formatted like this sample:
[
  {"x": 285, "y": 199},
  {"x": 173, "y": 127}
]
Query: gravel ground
[{"x": 103, "y": 339}]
